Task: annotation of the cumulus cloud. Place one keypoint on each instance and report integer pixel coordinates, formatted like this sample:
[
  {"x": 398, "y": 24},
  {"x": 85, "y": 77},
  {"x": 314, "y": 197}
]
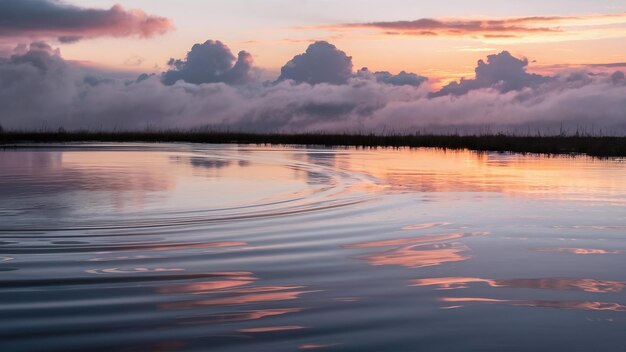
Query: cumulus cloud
[
  {"x": 52, "y": 19},
  {"x": 502, "y": 71},
  {"x": 38, "y": 89},
  {"x": 321, "y": 63},
  {"x": 401, "y": 79},
  {"x": 210, "y": 62},
  {"x": 618, "y": 77}
]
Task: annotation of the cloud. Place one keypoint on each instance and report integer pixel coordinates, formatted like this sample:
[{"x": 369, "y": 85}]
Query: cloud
[
  {"x": 461, "y": 27},
  {"x": 502, "y": 72},
  {"x": 210, "y": 62},
  {"x": 401, "y": 79},
  {"x": 51, "y": 19},
  {"x": 618, "y": 77},
  {"x": 41, "y": 90},
  {"x": 321, "y": 63},
  {"x": 487, "y": 27},
  {"x": 33, "y": 83}
]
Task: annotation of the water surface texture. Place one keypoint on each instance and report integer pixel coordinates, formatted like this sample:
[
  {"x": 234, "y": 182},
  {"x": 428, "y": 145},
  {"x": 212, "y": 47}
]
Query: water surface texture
[{"x": 240, "y": 248}]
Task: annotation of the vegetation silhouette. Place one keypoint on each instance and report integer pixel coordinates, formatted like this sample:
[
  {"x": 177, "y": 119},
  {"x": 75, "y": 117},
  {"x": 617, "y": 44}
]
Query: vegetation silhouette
[{"x": 596, "y": 146}]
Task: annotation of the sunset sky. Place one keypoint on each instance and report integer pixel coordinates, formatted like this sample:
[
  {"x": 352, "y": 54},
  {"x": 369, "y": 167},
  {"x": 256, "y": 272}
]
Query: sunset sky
[
  {"x": 536, "y": 56},
  {"x": 273, "y": 31}
]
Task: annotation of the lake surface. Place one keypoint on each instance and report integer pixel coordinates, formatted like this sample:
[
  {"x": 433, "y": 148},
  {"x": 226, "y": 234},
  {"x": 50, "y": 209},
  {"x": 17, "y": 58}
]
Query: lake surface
[{"x": 187, "y": 247}]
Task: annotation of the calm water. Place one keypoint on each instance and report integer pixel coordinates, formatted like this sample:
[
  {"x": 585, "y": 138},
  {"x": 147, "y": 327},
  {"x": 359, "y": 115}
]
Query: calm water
[{"x": 226, "y": 248}]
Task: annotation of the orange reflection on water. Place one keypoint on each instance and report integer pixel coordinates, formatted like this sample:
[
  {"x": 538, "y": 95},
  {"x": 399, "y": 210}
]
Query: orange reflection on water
[
  {"x": 431, "y": 170},
  {"x": 422, "y": 251},
  {"x": 570, "y": 305},
  {"x": 580, "y": 251},
  {"x": 273, "y": 328},
  {"x": 448, "y": 283},
  {"x": 421, "y": 240},
  {"x": 315, "y": 346},
  {"x": 602, "y": 306},
  {"x": 237, "y": 316},
  {"x": 471, "y": 299},
  {"x": 425, "y": 226},
  {"x": 417, "y": 257},
  {"x": 241, "y": 296},
  {"x": 561, "y": 284},
  {"x": 587, "y": 285},
  {"x": 228, "y": 279},
  {"x": 598, "y": 227},
  {"x": 257, "y": 289},
  {"x": 247, "y": 299},
  {"x": 203, "y": 287}
]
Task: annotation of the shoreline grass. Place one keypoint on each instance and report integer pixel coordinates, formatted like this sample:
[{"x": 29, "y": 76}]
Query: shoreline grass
[{"x": 596, "y": 146}]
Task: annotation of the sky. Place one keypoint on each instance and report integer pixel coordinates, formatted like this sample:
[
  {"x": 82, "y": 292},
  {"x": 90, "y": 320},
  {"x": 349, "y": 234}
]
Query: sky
[
  {"x": 430, "y": 49},
  {"x": 275, "y": 30}
]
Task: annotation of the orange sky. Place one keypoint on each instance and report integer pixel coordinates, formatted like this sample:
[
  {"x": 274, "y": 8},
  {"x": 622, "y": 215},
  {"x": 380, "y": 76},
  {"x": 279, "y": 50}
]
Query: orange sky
[{"x": 549, "y": 33}]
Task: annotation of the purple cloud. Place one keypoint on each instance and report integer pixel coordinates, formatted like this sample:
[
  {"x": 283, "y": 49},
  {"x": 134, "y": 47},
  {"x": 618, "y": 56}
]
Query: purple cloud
[
  {"x": 50, "y": 19},
  {"x": 210, "y": 62},
  {"x": 502, "y": 72},
  {"x": 41, "y": 90},
  {"x": 321, "y": 63}
]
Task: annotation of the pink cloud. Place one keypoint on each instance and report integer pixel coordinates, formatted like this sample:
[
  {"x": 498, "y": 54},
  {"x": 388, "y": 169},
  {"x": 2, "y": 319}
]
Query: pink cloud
[{"x": 46, "y": 19}]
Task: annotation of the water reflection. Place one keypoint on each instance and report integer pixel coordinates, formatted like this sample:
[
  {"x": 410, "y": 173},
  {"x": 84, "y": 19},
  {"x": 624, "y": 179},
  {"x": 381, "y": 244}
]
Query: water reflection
[
  {"x": 579, "y": 251},
  {"x": 243, "y": 248},
  {"x": 54, "y": 178},
  {"x": 425, "y": 226},
  {"x": 316, "y": 346},
  {"x": 209, "y": 162},
  {"x": 272, "y": 329},
  {"x": 561, "y": 284},
  {"x": 570, "y": 305},
  {"x": 250, "y": 315},
  {"x": 232, "y": 289},
  {"x": 421, "y": 240},
  {"x": 596, "y": 181},
  {"x": 421, "y": 256},
  {"x": 244, "y": 296},
  {"x": 417, "y": 252}
]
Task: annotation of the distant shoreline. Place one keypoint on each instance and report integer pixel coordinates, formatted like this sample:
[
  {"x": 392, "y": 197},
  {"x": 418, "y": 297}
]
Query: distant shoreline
[{"x": 595, "y": 146}]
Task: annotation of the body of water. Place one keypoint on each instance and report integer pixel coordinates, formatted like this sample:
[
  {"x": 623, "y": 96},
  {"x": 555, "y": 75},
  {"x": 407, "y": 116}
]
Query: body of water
[{"x": 137, "y": 247}]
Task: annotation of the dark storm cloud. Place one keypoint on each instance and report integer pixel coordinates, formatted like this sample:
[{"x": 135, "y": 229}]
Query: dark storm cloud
[
  {"x": 39, "y": 89},
  {"x": 210, "y": 62},
  {"x": 321, "y": 63},
  {"x": 502, "y": 71},
  {"x": 67, "y": 23}
]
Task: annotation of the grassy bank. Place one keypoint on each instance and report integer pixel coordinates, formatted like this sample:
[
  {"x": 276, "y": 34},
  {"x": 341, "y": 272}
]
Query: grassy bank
[{"x": 590, "y": 145}]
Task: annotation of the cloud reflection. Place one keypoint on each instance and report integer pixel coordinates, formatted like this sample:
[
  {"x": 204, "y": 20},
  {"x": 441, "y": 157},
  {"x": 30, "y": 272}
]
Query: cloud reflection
[
  {"x": 417, "y": 256},
  {"x": 422, "y": 251},
  {"x": 560, "y": 284},
  {"x": 233, "y": 298},
  {"x": 425, "y": 226},
  {"x": 579, "y": 251},
  {"x": 273, "y": 328},
  {"x": 315, "y": 346},
  {"x": 237, "y": 316},
  {"x": 569, "y": 305},
  {"x": 421, "y": 240}
]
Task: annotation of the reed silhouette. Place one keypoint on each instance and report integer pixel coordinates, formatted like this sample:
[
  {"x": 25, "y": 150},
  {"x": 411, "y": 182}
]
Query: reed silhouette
[{"x": 592, "y": 145}]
